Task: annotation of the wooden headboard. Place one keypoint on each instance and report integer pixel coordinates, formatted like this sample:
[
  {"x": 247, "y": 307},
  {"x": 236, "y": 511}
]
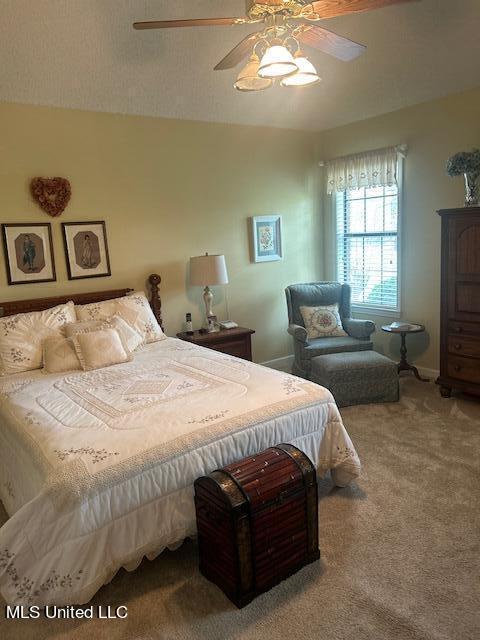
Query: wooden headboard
[{"x": 39, "y": 304}]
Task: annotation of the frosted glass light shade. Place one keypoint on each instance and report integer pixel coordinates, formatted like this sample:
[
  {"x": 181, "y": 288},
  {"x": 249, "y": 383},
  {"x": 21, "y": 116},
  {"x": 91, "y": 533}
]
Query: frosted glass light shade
[
  {"x": 206, "y": 270},
  {"x": 277, "y": 62},
  {"x": 248, "y": 78},
  {"x": 306, "y": 75}
]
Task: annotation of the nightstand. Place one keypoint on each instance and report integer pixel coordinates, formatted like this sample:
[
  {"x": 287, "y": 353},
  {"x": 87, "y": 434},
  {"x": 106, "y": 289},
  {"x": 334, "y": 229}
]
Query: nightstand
[{"x": 236, "y": 342}]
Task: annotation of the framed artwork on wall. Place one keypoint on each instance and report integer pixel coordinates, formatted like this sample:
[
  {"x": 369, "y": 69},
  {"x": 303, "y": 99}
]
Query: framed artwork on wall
[
  {"x": 86, "y": 250},
  {"x": 28, "y": 253},
  {"x": 267, "y": 238}
]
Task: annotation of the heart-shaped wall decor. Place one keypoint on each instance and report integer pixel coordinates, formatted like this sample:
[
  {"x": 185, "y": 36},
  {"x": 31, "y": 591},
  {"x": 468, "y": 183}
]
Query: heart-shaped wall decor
[{"x": 52, "y": 194}]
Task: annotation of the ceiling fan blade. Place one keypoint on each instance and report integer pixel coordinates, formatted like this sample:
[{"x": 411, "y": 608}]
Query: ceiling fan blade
[
  {"x": 238, "y": 53},
  {"x": 333, "y": 8},
  {"x": 197, "y": 22},
  {"x": 329, "y": 42}
]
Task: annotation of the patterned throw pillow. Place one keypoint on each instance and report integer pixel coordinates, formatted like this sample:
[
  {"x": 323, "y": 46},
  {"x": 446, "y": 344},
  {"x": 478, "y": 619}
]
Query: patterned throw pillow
[
  {"x": 322, "y": 322},
  {"x": 134, "y": 309},
  {"x": 22, "y": 336}
]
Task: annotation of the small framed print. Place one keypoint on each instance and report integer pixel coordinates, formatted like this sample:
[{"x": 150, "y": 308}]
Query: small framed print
[
  {"x": 28, "y": 253},
  {"x": 267, "y": 238},
  {"x": 212, "y": 324},
  {"x": 86, "y": 250}
]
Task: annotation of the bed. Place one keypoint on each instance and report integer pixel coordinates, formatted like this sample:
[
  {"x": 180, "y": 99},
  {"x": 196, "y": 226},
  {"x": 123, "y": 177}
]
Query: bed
[{"x": 97, "y": 467}]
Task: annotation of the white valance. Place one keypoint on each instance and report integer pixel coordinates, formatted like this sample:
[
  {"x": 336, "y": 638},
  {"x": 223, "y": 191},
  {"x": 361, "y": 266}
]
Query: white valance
[{"x": 376, "y": 168}]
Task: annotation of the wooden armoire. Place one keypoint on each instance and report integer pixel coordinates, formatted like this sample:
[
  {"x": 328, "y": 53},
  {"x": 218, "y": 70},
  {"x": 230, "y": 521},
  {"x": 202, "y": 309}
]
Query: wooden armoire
[{"x": 460, "y": 301}]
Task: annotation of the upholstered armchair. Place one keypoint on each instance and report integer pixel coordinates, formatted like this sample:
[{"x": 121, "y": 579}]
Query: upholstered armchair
[{"x": 314, "y": 294}]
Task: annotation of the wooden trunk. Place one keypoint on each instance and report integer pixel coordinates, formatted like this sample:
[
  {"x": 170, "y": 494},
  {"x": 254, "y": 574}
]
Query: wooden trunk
[
  {"x": 257, "y": 521},
  {"x": 460, "y": 301}
]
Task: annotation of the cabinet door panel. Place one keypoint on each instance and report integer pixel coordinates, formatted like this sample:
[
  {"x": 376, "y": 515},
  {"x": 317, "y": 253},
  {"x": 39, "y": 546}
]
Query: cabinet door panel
[{"x": 463, "y": 267}]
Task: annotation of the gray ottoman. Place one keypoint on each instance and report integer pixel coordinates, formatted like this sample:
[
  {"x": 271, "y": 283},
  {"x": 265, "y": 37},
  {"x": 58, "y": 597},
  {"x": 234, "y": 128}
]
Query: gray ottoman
[{"x": 357, "y": 377}]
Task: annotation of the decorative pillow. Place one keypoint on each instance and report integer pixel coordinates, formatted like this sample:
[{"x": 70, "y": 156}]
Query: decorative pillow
[
  {"x": 22, "y": 335},
  {"x": 59, "y": 355},
  {"x": 134, "y": 309},
  {"x": 100, "y": 348},
  {"x": 322, "y": 322},
  {"x": 131, "y": 338},
  {"x": 73, "y": 328}
]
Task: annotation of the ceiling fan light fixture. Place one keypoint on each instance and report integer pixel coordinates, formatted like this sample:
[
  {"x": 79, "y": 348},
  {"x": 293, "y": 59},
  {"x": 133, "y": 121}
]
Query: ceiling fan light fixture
[
  {"x": 248, "y": 78},
  {"x": 277, "y": 62},
  {"x": 306, "y": 76}
]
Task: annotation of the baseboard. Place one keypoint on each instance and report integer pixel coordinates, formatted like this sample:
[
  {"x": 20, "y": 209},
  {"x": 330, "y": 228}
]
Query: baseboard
[
  {"x": 285, "y": 364},
  {"x": 281, "y": 364},
  {"x": 425, "y": 372}
]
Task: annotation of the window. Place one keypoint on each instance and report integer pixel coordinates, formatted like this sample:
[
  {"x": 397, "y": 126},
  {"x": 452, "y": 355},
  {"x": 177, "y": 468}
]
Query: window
[{"x": 367, "y": 224}]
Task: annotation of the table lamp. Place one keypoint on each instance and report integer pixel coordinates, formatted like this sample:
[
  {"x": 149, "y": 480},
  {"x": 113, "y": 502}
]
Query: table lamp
[{"x": 208, "y": 270}]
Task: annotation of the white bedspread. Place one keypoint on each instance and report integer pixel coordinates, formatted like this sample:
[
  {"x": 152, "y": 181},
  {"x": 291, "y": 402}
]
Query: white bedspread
[{"x": 97, "y": 468}]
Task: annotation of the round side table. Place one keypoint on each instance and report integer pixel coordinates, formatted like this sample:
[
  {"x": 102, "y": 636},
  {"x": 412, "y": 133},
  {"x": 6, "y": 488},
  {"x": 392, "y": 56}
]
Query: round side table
[{"x": 403, "y": 365}]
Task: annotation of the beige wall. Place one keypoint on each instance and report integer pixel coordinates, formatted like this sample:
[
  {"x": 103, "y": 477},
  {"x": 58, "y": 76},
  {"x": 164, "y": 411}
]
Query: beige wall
[
  {"x": 433, "y": 132},
  {"x": 171, "y": 189},
  {"x": 168, "y": 190}
]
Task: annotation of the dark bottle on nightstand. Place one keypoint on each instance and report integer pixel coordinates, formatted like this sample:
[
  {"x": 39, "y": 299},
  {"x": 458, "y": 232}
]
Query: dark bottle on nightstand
[{"x": 188, "y": 324}]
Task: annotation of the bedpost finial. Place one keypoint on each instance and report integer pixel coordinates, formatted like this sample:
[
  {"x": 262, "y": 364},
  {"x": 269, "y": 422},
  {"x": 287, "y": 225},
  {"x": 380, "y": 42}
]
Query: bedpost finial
[{"x": 154, "y": 279}]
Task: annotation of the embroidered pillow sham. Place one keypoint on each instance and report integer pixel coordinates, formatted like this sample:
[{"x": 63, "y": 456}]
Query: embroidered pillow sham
[
  {"x": 134, "y": 309},
  {"x": 22, "y": 335},
  {"x": 59, "y": 356},
  {"x": 322, "y": 322},
  {"x": 100, "y": 348}
]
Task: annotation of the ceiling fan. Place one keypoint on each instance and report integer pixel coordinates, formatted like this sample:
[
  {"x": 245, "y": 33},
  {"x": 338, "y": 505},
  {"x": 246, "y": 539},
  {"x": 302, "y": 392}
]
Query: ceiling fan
[{"x": 275, "y": 51}]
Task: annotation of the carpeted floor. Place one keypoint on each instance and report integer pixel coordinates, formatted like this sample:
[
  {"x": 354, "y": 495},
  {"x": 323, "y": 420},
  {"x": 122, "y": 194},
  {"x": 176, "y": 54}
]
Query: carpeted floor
[{"x": 400, "y": 549}]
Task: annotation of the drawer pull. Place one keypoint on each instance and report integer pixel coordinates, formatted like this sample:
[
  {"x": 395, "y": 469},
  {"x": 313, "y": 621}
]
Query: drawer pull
[
  {"x": 458, "y": 329},
  {"x": 457, "y": 367},
  {"x": 457, "y": 346}
]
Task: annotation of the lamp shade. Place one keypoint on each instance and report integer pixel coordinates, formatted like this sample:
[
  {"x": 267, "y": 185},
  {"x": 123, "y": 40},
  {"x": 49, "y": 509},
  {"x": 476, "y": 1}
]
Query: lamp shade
[
  {"x": 206, "y": 270},
  {"x": 277, "y": 62},
  {"x": 305, "y": 76},
  {"x": 248, "y": 78}
]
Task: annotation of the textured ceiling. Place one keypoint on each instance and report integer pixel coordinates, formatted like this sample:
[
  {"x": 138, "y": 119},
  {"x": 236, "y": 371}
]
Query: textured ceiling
[{"x": 84, "y": 54}]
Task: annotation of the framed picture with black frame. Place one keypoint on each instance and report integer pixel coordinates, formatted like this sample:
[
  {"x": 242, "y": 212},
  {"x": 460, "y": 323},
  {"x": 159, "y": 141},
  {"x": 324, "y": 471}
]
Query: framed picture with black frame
[
  {"x": 86, "y": 250},
  {"x": 28, "y": 252}
]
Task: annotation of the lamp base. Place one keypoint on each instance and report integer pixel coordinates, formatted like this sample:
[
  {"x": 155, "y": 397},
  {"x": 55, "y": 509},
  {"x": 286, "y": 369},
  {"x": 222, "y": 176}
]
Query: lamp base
[{"x": 208, "y": 299}]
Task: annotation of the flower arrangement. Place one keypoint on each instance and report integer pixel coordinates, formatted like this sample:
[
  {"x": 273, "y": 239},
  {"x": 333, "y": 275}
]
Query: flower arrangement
[{"x": 466, "y": 163}]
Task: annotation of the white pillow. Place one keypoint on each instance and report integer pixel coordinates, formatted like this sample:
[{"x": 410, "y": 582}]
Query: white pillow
[
  {"x": 131, "y": 338},
  {"x": 100, "y": 348},
  {"x": 59, "y": 355},
  {"x": 134, "y": 309},
  {"x": 22, "y": 335},
  {"x": 322, "y": 322}
]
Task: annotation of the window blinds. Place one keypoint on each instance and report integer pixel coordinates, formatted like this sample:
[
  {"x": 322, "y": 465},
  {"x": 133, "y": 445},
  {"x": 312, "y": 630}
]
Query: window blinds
[{"x": 367, "y": 245}]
